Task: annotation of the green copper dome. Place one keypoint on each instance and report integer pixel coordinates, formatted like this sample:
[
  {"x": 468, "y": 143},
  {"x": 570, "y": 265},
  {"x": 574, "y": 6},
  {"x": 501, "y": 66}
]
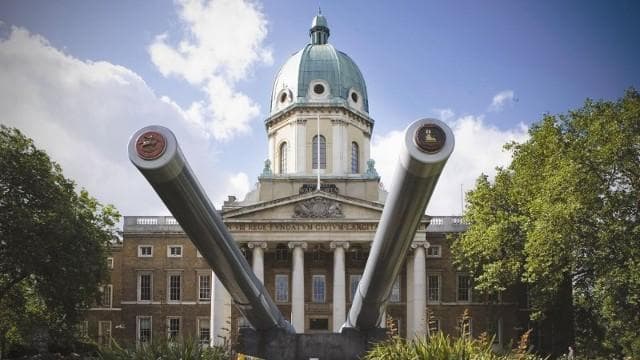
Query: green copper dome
[{"x": 319, "y": 74}]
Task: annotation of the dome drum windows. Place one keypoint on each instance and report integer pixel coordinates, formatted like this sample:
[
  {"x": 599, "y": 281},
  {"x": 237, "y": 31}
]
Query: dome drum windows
[
  {"x": 318, "y": 90},
  {"x": 355, "y": 99},
  {"x": 285, "y": 98}
]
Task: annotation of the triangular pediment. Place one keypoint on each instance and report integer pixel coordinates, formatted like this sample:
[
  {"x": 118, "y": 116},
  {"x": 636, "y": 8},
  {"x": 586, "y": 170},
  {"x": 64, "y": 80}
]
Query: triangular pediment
[{"x": 309, "y": 206}]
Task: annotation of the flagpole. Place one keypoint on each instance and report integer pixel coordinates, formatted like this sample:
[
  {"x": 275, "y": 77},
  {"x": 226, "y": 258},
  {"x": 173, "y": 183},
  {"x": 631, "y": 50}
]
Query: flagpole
[{"x": 318, "y": 151}]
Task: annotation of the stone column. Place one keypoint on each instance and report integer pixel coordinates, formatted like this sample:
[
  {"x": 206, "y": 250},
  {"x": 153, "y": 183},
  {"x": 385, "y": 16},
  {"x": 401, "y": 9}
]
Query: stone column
[
  {"x": 257, "y": 255},
  {"x": 339, "y": 284},
  {"x": 419, "y": 289},
  {"x": 297, "y": 286},
  {"x": 410, "y": 299},
  {"x": 217, "y": 320}
]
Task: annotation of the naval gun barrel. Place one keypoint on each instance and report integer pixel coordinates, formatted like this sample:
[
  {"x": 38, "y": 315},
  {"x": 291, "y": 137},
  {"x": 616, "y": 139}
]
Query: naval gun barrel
[
  {"x": 154, "y": 150},
  {"x": 426, "y": 146}
]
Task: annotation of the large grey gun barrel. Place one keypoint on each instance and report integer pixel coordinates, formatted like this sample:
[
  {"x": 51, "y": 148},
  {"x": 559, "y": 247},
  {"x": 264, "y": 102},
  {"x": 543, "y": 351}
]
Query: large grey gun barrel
[
  {"x": 426, "y": 146},
  {"x": 155, "y": 152}
]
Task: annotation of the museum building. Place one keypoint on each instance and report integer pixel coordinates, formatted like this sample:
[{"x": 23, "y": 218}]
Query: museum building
[{"x": 305, "y": 230}]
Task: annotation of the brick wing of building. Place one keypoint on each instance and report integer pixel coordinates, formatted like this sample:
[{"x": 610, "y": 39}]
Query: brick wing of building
[{"x": 308, "y": 246}]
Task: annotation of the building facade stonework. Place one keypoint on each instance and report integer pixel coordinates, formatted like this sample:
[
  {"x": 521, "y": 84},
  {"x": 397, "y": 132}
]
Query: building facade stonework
[{"x": 305, "y": 229}]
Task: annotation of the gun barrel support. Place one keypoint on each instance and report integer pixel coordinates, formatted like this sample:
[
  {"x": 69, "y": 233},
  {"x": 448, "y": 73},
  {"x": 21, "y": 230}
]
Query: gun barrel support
[
  {"x": 154, "y": 150},
  {"x": 426, "y": 146}
]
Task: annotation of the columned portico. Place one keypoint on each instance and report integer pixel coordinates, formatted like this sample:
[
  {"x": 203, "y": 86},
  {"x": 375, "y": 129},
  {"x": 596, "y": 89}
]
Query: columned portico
[
  {"x": 419, "y": 289},
  {"x": 339, "y": 284},
  {"x": 257, "y": 258},
  {"x": 297, "y": 286}
]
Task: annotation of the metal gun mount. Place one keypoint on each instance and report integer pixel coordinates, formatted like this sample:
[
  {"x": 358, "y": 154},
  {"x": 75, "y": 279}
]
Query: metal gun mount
[{"x": 426, "y": 146}]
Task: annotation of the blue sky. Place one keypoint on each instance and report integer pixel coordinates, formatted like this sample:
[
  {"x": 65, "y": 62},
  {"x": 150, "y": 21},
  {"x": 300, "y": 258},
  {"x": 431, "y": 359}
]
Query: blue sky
[{"x": 80, "y": 76}]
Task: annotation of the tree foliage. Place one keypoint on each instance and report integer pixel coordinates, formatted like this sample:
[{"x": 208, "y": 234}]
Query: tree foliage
[
  {"x": 566, "y": 213},
  {"x": 53, "y": 242}
]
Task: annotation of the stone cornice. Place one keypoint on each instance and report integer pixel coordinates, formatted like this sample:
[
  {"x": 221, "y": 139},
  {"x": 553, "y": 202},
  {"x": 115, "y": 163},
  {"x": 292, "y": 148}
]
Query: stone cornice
[{"x": 309, "y": 108}]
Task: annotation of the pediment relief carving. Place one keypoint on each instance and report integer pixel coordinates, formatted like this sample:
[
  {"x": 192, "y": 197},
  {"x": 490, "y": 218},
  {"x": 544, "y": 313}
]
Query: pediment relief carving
[
  {"x": 318, "y": 207},
  {"x": 328, "y": 207}
]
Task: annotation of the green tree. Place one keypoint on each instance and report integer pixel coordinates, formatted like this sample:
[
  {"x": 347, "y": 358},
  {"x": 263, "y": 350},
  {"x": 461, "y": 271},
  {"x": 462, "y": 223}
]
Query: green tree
[
  {"x": 53, "y": 243},
  {"x": 565, "y": 215}
]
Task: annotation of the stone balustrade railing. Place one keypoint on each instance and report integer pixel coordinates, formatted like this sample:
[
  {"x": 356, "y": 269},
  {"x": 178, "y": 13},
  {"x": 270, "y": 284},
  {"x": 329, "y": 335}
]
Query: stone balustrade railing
[
  {"x": 447, "y": 224},
  {"x": 138, "y": 224}
]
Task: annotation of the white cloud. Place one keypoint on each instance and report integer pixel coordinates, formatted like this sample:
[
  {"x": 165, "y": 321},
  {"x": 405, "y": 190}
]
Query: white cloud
[
  {"x": 214, "y": 58},
  {"x": 478, "y": 150},
  {"x": 444, "y": 114},
  {"x": 83, "y": 113},
  {"x": 501, "y": 99},
  {"x": 238, "y": 185}
]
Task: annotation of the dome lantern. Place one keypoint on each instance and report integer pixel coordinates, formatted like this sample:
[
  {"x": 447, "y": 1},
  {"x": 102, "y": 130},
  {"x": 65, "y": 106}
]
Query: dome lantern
[{"x": 319, "y": 31}]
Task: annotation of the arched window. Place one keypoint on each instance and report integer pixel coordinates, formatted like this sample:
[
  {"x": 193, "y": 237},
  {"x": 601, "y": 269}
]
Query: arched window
[
  {"x": 283, "y": 158},
  {"x": 323, "y": 152},
  {"x": 355, "y": 158}
]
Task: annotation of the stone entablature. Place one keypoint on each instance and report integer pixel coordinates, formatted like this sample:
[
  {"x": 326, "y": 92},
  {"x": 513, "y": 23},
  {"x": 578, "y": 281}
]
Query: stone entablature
[
  {"x": 167, "y": 224},
  {"x": 356, "y": 117},
  {"x": 316, "y": 226}
]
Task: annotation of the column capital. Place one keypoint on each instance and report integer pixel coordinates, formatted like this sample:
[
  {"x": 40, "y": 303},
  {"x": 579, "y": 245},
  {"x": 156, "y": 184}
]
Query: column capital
[
  {"x": 417, "y": 244},
  {"x": 294, "y": 244},
  {"x": 254, "y": 244},
  {"x": 336, "y": 244}
]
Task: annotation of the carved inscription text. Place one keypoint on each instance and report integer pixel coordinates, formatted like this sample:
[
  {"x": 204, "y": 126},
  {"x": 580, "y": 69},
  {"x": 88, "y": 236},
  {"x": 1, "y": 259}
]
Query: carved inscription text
[{"x": 301, "y": 227}]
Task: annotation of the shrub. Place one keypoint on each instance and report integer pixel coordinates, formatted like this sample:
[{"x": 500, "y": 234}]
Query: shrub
[
  {"x": 167, "y": 350},
  {"x": 443, "y": 347}
]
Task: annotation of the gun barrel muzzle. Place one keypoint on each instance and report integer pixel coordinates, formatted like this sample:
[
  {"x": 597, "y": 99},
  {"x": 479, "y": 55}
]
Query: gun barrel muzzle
[
  {"x": 154, "y": 150},
  {"x": 426, "y": 146}
]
